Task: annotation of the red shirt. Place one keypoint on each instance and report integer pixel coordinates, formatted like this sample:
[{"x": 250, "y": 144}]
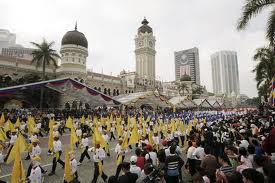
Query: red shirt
[{"x": 140, "y": 162}]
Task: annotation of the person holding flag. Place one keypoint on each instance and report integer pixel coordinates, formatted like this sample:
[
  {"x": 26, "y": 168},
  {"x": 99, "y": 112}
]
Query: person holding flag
[
  {"x": 57, "y": 150},
  {"x": 85, "y": 146},
  {"x": 13, "y": 138},
  {"x": 35, "y": 175},
  {"x": 98, "y": 156},
  {"x": 121, "y": 150}
]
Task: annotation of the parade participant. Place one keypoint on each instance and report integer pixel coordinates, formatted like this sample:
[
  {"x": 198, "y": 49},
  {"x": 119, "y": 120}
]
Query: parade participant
[
  {"x": 35, "y": 175},
  {"x": 38, "y": 127},
  {"x": 106, "y": 138},
  {"x": 57, "y": 150},
  {"x": 112, "y": 132},
  {"x": 156, "y": 141},
  {"x": 78, "y": 133},
  {"x": 169, "y": 137},
  {"x": 119, "y": 151},
  {"x": 98, "y": 155},
  {"x": 133, "y": 167},
  {"x": 13, "y": 138},
  {"x": 73, "y": 167},
  {"x": 84, "y": 146}
]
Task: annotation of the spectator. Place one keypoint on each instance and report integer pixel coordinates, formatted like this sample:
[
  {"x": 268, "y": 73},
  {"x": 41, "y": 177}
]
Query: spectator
[
  {"x": 133, "y": 167},
  {"x": 250, "y": 175},
  {"x": 127, "y": 177}
]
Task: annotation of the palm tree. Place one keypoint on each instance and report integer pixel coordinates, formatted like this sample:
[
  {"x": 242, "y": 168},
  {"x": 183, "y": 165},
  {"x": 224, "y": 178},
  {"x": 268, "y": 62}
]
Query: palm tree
[
  {"x": 254, "y": 7},
  {"x": 265, "y": 69},
  {"x": 183, "y": 87},
  {"x": 44, "y": 55}
]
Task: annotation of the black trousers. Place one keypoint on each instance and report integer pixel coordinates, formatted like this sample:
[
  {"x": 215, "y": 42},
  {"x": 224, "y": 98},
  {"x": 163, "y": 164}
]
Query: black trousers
[
  {"x": 57, "y": 160},
  {"x": 5, "y": 159},
  {"x": 112, "y": 136},
  {"x": 182, "y": 138},
  {"x": 118, "y": 169},
  {"x": 85, "y": 153},
  {"x": 96, "y": 173}
]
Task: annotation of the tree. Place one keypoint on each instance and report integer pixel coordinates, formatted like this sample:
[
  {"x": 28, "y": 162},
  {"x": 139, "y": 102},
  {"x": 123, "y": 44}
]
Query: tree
[
  {"x": 265, "y": 69},
  {"x": 253, "y": 8},
  {"x": 44, "y": 55},
  {"x": 183, "y": 87}
]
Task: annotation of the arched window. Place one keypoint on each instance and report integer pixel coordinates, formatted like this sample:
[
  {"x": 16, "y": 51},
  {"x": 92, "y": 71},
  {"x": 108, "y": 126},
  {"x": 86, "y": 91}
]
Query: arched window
[
  {"x": 117, "y": 92},
  {"x": 109, "y": 91},
  {"x": 99, "y": 89},
  {"x": 95, "y": 88},
  {"x": 114, "y": 92},
  {"x": 105, "y": 90},
  {"x": 126, "y": 91}
]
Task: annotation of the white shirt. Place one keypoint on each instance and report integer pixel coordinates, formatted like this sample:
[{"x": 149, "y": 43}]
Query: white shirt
[
  {"x": 135, "y": 169},
  {"x": 73, "y": 163},
  {"x": 153, "y": 156},
  {"x": 36, "y": 151},
  {"x": 85, "y": 142},
  {"x": 78, "y": 132},
  {"x": 190, "y": 152},
  {"x": 105, "y": 137},
  {"x": 155, "y": 139},
  {"x": 38, "y": 126},
  {"x": 198, "y": 153},
  {"x": 35, "y": 176},
  {"x": 57, "y": 146},
  {"x": 13, "y": 139},
  {"x": 119, "y": 151},
  {"x": 99, "y": 154}
]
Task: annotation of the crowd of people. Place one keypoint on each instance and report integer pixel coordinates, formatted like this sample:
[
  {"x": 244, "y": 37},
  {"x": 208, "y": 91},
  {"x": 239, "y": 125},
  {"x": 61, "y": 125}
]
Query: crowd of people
[{"x": 168, "y": 146}]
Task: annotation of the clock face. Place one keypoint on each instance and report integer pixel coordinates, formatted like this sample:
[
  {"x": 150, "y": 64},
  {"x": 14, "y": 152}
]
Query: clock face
[{"x": 183, "y": 59}]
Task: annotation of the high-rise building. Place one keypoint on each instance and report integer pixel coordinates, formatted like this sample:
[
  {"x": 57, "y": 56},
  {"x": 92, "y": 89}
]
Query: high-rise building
[
  {"x": 225, "y": 74},
  {"x": 187, "y": 63},
  {"x": 145, "y": 52}
]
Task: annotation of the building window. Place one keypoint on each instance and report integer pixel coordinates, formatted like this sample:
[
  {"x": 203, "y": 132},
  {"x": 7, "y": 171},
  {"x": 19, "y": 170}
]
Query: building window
[
  {"x": 73, "y": 59},
  {"x": 79, "y": 60}
]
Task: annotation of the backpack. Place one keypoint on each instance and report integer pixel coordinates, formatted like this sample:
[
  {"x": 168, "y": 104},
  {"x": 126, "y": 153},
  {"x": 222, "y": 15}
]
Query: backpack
[
  {"x": 149, "y": 160},
  {"x": 161, "y": 155}
]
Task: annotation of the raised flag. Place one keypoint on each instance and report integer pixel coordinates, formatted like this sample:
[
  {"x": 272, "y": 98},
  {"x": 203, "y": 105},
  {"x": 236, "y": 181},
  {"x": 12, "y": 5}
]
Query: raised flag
[
  {"x": 68, "y": 177},
  {"x": 18, "y": 174}
]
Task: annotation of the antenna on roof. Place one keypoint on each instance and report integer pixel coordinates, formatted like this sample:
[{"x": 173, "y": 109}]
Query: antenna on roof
[{"x": 75, "y": 28}]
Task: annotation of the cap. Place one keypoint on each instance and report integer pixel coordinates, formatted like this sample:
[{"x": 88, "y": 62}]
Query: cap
[
  {"x": 149, "y": 147},
  {"x": 133, "y": 159},
  {"x": 36, "y": 158},
  {"x": 35, "y": 140}
]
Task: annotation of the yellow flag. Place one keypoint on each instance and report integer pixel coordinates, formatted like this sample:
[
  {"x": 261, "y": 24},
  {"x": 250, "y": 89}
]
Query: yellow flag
[
  {"x": 17, "y": 124},
  {"x": 97, "y": 137},
  {"x": 134, "y": 137},
  {"x": 173, "y": 125},
  {"x": 108, "y": 125},
  {"x": 119, "y": 160},
  {"x": 9, "y": 126},
  {"x": 144, "y": 129},
  {"x": 3, "y": 136},
  {"x": 124, "y": 144},
  {"x": 100, "y": 167},
  {"x": 67, "y": 170},
  {"x": 73, "y": 138},
  {"x": 69, "y": 122},
  {"x": 118, "y": 129},
  {"x": 50, "y": 142},
  {"x": 2, "y": 120},
  {"x": 150, "y": 139},
  {"x": 82, "y": 120},
  {"x": 22, "y": 147},
  {"x": 18, "y": 174}
]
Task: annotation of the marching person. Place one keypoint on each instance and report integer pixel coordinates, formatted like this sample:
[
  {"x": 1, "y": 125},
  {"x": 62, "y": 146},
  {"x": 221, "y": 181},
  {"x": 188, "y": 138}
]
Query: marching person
[
  {"x": 106, "y": 138},
  {"x": 119, "y": 151},
  {"x": 13, "y": 138},
  {"x": 99, "y": 155},
  {"x": 85, "y": 146},
  {"x": 35, "y": 173},
  {"x": 112, "y": 132},
  {"x": 73, "y": 164},
  {"x": 57, "y": 150}
]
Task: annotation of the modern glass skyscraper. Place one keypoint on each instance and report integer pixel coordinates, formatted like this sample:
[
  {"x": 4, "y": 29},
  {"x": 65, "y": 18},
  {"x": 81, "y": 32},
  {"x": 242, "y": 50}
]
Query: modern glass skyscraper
[
  {"x": 187, "y": 63},
  {"x": 225, "y": 73}
]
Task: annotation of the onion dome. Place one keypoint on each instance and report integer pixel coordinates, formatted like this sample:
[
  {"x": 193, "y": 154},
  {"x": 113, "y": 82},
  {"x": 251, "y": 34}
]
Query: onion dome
[
  {"x": 145, "y": 27},
  {"x": 75, "y": 37},
  {"x": 185, "y": 77}
]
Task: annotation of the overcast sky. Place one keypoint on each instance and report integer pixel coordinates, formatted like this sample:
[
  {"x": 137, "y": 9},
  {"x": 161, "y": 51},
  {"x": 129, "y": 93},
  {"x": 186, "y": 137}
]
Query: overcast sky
[{"x": 111, "y": 25}]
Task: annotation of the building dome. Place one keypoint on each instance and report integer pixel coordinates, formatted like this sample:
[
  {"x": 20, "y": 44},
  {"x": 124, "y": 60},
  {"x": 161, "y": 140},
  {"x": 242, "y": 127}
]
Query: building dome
[
  {"x": 145, "y": 27},
  {"x": 75, "y": 37},
  {"x": 185, "y": 77}
]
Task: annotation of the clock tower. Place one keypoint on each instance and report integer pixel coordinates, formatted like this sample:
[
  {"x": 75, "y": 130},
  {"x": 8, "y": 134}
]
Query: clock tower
[{"x": 145, "y": 53}]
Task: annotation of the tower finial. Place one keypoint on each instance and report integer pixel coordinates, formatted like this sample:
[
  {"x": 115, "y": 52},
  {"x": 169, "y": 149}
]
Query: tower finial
[{"x": 75, "y": 28}]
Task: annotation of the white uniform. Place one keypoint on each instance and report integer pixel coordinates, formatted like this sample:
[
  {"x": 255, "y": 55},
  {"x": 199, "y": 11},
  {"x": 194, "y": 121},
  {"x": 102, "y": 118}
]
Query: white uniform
[
  {"x": 85, "y": 142},
  {"x": 78, "y": 132},
  {"x": 57, "y": 146},
  {"x": 156, "y": 139},
  {"x": 105, "y": 137},
  {"x": 73, "y": 163},
  {"x": 36, "y": 151},
  {"x": 35, "y": 176},
  {"x": 13, "y": 139},
  {"x": 119, "y": 151},
  {"x": 99, "y": 154}
]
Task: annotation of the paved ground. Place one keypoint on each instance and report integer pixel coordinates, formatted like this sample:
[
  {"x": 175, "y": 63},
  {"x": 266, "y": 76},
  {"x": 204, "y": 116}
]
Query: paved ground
[{"x": 85, "y": 171}]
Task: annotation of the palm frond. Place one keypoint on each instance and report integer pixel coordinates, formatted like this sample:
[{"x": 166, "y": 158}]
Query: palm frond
[
  {"x": 250, "y": 9},
  {"x": 270, "y": 32}
]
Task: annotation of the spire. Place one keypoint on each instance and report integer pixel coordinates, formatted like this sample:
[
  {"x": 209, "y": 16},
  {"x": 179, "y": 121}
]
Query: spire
[
  {"x": 144, "y": 21},
  {"x": 75, "y": 28}
]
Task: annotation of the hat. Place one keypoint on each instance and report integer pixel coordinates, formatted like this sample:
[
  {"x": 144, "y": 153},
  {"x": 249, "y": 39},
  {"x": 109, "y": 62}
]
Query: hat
[
  {"x": 36, "y": 158},
  {"x": 133, "y": 159},
  {"x": 164, "y": 142},
  {"x": 149, "y": 147},
  {"x": 35, "y": 140},
  {"x": 13, "y": 130}
]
